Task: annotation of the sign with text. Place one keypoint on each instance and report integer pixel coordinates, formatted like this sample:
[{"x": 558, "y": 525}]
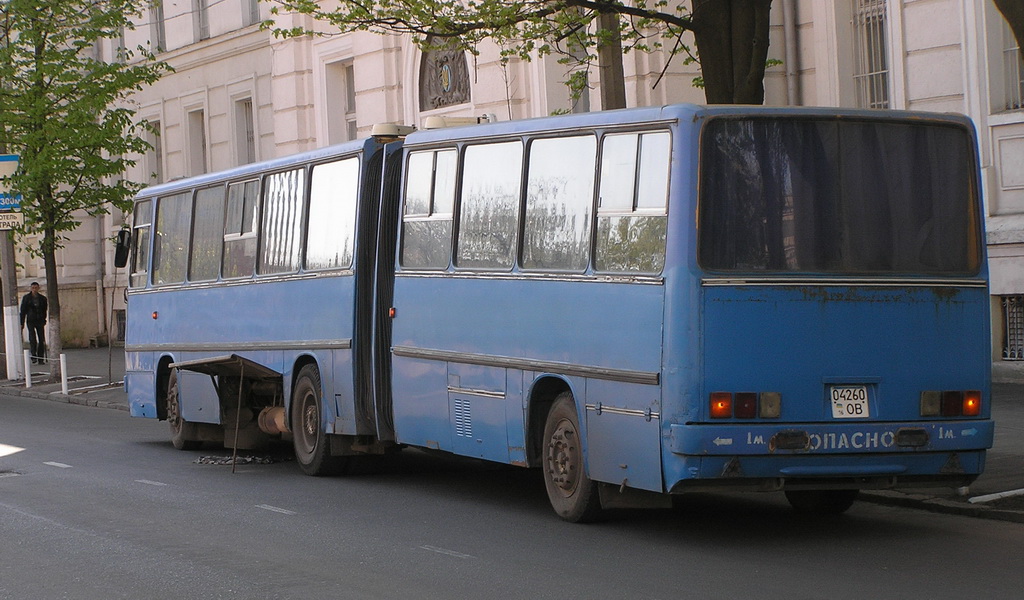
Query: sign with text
[
  {"x": 8, "y": 166},
  {"x": 10, "y": 219}
]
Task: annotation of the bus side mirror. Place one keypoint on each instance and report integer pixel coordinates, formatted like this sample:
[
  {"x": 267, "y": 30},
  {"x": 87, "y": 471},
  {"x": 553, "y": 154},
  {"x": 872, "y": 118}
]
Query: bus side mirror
[{"x": 122, "y": 247}]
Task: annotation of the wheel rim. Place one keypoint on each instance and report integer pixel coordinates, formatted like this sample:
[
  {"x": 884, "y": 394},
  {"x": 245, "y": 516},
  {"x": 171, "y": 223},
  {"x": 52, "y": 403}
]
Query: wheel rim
[
  {"x": 309, "y": 424},
  {"x": 564, "y": 458}
]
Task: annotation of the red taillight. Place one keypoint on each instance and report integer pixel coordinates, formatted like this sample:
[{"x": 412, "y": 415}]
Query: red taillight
[
  {"x": 721, "y": 405},
  {"x": 952, "y": 403},
  {"x": 972, "y": 403},
  {"x": 746, "y": 405}
]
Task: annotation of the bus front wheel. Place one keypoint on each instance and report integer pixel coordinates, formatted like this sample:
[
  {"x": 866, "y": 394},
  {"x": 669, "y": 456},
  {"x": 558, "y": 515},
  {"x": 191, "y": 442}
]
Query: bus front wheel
[
  {"x": 573, "y": 495},
  {"x": 821, "y": 502},
  {"x": 312, "y": 448},
  {"x": 184, "y": 435}
]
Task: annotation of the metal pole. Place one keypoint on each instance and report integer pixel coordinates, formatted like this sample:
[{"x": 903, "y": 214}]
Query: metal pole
[
  {"x": 12, "y": 322},
  {"x": 9, "y": 285},
  {"x": 28, "y": 369},
  {"x": 63, "y": 374}
]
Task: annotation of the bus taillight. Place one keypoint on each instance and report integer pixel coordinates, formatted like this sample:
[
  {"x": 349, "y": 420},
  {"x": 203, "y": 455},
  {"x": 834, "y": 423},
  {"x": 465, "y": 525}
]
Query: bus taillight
[
  {"x": 721, "y": 405},
  {"x": 951, "y": 403},
  {"x": 972, "y": 403},
  {"x": 746, "y": 405}
]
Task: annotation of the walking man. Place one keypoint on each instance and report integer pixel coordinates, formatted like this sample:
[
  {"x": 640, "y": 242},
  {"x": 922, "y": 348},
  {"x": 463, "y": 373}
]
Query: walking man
[{"x": 33, "y": 313}]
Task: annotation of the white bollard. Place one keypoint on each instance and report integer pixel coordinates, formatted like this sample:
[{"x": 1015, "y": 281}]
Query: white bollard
[
  {"x": 28, "y": 369},
  {"x": 64, "y": 374}
]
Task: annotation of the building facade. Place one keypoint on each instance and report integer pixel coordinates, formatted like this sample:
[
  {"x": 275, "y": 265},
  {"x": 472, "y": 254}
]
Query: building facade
[{"x": 238, "y": 94}]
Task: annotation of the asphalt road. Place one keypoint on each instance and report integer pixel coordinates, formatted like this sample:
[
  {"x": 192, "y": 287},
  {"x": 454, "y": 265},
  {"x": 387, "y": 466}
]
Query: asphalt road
[{"x": 95, "y": 504}]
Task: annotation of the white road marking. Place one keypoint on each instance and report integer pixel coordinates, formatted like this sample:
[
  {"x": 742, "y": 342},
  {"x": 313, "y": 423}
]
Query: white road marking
[
  {"x": 2, "y": 475},
  {"x": 58, "y": 465},
  {"x": 283, "y": 511},
  {"x": 446, "y": 552},
  {"x": 997, "y": 496},
  {"x": 148, "y": 482}
]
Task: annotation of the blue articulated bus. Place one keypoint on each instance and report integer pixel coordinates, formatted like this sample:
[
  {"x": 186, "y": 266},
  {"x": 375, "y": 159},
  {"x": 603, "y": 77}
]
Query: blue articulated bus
[{"x": 640, "y": 303}]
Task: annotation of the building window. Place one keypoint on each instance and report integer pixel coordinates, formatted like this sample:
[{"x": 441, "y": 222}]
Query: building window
[
  {"x": 341, "y": 101},
  {"x": 1013, "y": 70},
  {"x": 154, "y": 155},
  {"x": 159, "y": 27},
  {"x": 197, "y": 141},
  {"x": 871, "y": 55},
  {"x": 245, "y": 132},
  {"x": 251, "y": 11},
  {"x": 201, "y": 9},
  {"x": 1013, "y": 317}
]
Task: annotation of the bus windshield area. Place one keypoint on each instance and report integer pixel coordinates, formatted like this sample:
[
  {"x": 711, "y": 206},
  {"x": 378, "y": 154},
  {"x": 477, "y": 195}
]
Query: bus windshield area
[{"x": 826, "y": 195}]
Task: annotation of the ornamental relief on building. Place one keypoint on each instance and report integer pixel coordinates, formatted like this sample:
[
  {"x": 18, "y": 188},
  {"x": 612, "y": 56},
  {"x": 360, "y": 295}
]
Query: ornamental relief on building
[{"x": 444, "y": 78}]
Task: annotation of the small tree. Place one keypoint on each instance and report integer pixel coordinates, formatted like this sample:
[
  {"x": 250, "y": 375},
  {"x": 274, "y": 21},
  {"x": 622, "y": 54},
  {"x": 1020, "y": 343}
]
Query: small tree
[
  {"x": 63, "y": 110},
  {"x": 731, "y": 35}
]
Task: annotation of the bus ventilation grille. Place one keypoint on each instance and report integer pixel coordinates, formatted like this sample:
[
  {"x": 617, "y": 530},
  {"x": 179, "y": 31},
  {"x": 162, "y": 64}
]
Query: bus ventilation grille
[{"x": 463, "y": 418}]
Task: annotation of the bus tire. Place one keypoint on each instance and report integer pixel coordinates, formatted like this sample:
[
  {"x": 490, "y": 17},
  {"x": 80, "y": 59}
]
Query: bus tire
[
  {"x": 184, "y": 435},
  {"x": 312, "y": 448},
  {"x": 572, "y": 494},
  {"x": 821, "y": 502}
]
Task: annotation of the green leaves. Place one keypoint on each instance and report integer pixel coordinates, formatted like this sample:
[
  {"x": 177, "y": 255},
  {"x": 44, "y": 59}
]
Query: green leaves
[
  {"x": 524, "y": 29},
  {"x": 64, "y": 109}
]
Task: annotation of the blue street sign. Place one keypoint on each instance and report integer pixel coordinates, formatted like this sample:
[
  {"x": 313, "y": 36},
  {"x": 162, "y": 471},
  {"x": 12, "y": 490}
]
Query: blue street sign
[{"x": 8, "y": 165}]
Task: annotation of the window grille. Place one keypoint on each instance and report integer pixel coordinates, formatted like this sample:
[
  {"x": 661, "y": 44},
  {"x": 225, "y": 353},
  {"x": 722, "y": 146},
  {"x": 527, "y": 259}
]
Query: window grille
[
  {"x": 159, "y": 27},
  {"x": 1013, "y": 317},
  {"x": 871, "y": 56},
  {"x": 1013, "y": 70},
  {"x": 202, "y": 8},
  {"x": 252, "y": 12},
  {"x": 246, "y": 132},
  {"x": 119, "y": 325}
]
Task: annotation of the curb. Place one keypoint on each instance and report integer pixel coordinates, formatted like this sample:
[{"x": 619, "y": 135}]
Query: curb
[
  {"x": 79, "y": 399},
  {"x": 941, "y": 505}
]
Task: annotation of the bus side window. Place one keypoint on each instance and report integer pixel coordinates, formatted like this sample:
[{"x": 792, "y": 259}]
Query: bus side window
[
  {"x": 171, "y": 243},
  {"x": 559, "y": 203},
  {"x": 207, "y": 232},
  {"x": 281, "y": 232},
  {"x": 240, "y": 229},
  {"x": 140, "y": 243},
  {"x": 331, "y": 224},
  {"x": 633, "y": 198},
  {"x": 429, "y": 204},
  {"x": 489, "y": 207}
]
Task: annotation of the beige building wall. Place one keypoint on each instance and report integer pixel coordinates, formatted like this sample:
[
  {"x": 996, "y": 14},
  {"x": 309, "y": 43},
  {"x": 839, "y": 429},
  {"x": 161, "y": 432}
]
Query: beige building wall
[{"x": 240, "y": 94}]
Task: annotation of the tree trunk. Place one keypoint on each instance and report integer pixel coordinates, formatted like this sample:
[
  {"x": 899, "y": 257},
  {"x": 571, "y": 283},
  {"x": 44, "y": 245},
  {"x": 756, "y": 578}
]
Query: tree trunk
[
  {"x": 1013, "y": 12},
  {"x": 732, "y": 42},
  {"x": 53, "y": 344},
  {"x": 609, "y": 62}
]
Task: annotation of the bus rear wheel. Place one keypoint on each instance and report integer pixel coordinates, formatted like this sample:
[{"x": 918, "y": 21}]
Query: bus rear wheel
[
  {"x": 572, "y": 494},
  {"x": 312, "y": 448},
  {"x": 184, "y": 435},
  {"x": 821, "y": 502}
]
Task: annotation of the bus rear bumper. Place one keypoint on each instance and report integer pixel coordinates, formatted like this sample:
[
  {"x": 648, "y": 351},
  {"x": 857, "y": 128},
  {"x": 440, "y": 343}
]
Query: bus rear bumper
[
  {"x": 817, "y": 456},
  {"x": 829, "y": 438}
]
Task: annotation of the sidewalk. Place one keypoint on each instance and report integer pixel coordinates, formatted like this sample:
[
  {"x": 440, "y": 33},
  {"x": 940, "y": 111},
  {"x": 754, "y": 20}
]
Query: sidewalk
[{"x": 95, "y": 379}]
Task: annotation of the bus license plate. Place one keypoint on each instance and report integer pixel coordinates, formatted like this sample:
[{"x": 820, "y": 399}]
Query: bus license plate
[{"x": 849, "y": 402}]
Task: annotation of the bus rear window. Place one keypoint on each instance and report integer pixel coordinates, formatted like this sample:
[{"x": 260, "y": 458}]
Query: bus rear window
[{"x": 830, "y": 196}]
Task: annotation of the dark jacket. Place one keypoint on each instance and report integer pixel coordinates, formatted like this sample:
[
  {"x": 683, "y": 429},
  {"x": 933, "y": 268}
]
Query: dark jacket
[{"x": 33, "y": 309}]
